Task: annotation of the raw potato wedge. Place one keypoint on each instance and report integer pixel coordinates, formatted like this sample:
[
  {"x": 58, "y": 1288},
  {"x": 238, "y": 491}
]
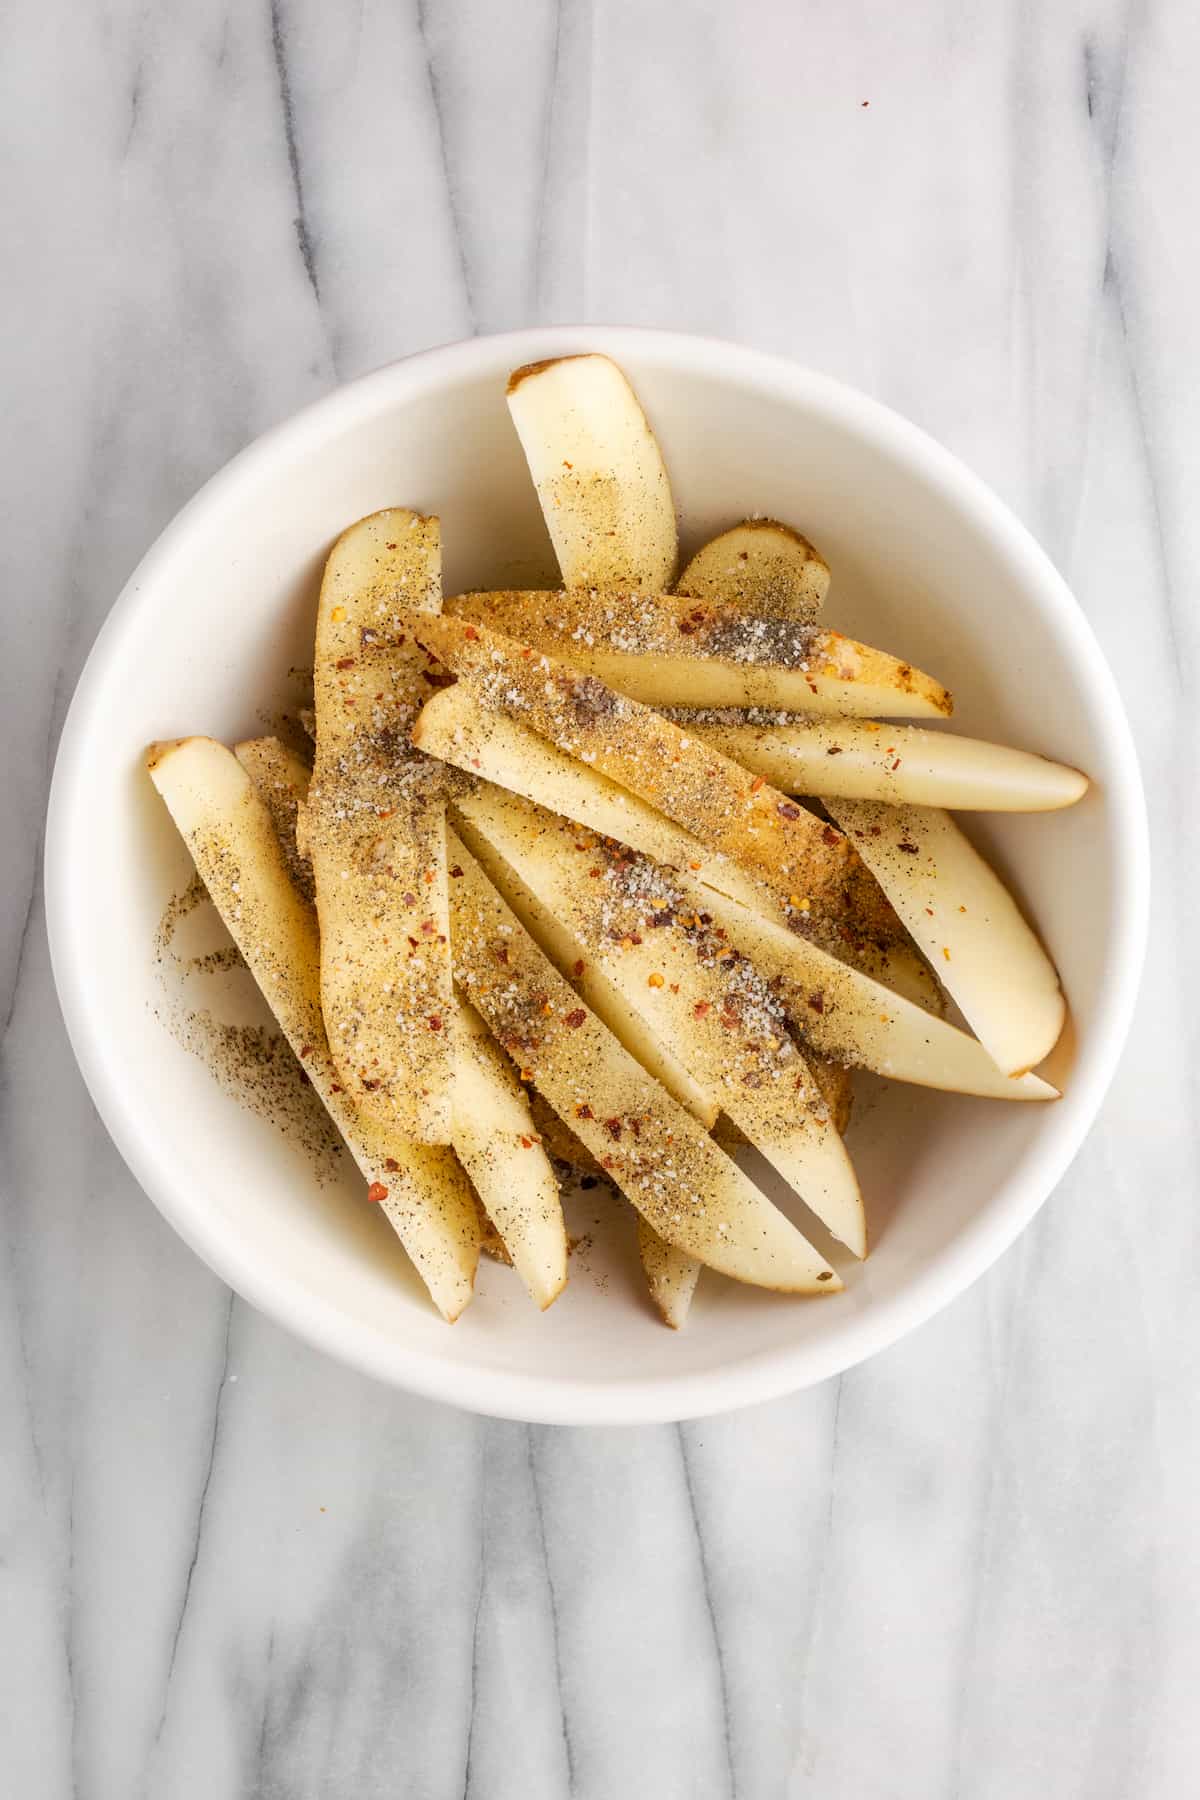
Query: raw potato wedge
[
  {"x": 671, "y": 650},
  {"x": 849, "y": 1018},
  {"x": 588, "y": 977},
  {"x": 374, "y": 828},
  {"x": 281, "y": 781},
  {"x": 806, "y": 865},
  {"x": 696, "y": 994},
  {"x": 598, "y": 471},
  {"x": 457, "y": 726},
  {"x": 860, "y": 759},
  {"x": 230, "y": 834},
  {"x": 967, "y": 923},
  {"x": 498, "y": 1145},
  {"x": 671, "y": 1275},
  {"x": 761, "y": 567},
  {"x": 662, "y": 1160}
]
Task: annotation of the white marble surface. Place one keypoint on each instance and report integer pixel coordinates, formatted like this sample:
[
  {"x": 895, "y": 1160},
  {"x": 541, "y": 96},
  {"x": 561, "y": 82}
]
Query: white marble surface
[{"x": 969, "y": 1569}]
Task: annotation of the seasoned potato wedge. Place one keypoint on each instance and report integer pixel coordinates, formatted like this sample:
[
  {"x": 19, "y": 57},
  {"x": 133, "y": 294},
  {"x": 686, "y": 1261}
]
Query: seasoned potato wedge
[
  {"x": 671, "y": 650},
  {"x": 696, "y": 993},
  {"x": 851, "y": 1019},
  {"x": 598, "y": 471},
  {"x": 967, "y": 923},
  {"x": 671, "y": 1275},
  {"x": 860, "y": 759},
  {"x": 232, "y": 839},
  {"x": 499, "y": 1146},
  {"x": 664, "y": 1162},
  {"x": 761, "y": 567},
  {"x": 374, "y": 828}
]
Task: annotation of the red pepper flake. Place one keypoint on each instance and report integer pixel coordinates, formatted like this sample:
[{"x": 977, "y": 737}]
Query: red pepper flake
[
  {"x": 834, "y": 750},
  {"x": 526, "y": 654},
  {"x": 830, "y": 836},
  {"x": 701, "y": 1007},
  {"x": 472, "y": 634},
  {"x": 578, "y": 967},
  {"x": 595, "y": 874},
  {"x": 759, "y": 781},
  {"x": 502, "y": 953},
  {"x": 414, "y": 943},
  {"x": 787, "y": 809},
  {"x": 390, "y": 1164},
  {"x": 816, "y": 1002},
  {"x": 577, "y": 1018},
  {"x": 377, "y": 1191},
  {"x": 370, "y": 1086},
  {"x": 410, "y": 899},
  {"x": 584, "y": 1112},
  {"x": 344, "y": 662},
  {"x": 305, "y": 1050},
  {"x": 526, "y": 1143},
  {"x": 456, "y": 872},
  {"x": 613, "y": 1128},
  {"x": 435, "y": 1023}
]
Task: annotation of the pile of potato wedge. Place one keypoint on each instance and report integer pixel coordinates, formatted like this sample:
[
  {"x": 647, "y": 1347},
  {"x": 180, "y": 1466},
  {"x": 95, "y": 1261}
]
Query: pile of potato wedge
[{"x": 620, "y": 875}]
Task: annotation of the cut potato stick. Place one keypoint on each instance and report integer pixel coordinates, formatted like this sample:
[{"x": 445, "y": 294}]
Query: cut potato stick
[
  {"x": 661, "y": 1158},
  {"x": 498, "y": 1145},
  {"x": 967, "y": 923},
  {"x": 859, "y": 759},
  {"x": 598, "y": 471},
  {"x": 761, "y": 567},
  {"x": 671, "y": 650},
  {"x": 671, "y": 1275},
  {"x": 697, "y": 995},
  {"x": 229, "y": 832},
  {"x": 374, "y": 828},
  {"x": 807, "y": 865},
  {"x": 849, "y": 1018},
  {"x": 457, "y": 726},
  {"x": 589, "y": 978},
  {"x": 281, "y": 781}
]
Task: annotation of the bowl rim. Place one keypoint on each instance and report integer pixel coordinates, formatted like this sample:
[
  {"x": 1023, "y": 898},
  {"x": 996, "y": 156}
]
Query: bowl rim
[{"x": 765, "y": 1375}]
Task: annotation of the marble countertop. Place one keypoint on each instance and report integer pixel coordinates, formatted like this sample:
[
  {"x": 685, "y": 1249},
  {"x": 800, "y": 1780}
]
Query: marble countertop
[{"x": 971, "y": 1567}]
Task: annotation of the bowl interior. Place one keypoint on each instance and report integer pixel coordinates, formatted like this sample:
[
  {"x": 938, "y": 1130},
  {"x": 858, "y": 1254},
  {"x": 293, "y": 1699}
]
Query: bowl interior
[{"x": 924, "y": 564}]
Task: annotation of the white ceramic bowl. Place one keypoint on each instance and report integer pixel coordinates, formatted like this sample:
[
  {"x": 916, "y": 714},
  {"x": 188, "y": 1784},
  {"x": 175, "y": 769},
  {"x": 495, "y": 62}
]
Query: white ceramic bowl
[{"x": 926, "y": 562}]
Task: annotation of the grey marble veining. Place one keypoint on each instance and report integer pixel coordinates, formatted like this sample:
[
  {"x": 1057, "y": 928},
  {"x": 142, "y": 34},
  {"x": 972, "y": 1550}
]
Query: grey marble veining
[{"x": 969, "y": 1569}]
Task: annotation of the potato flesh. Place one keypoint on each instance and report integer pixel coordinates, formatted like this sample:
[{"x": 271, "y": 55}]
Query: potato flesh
[
  {"x": 899, "y": 764},
  {"x": 967, "y": 923},
  {"x": 700, "y": 998},
  {"x": 761, "y": 567},
  {"x": 598, "y": 470},
  {"x": 664, "y": 649},
  {"x": 663, "y": 1161},
  {"x": 374, "y": 827},
  {"x": 229, "y": 832}
]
